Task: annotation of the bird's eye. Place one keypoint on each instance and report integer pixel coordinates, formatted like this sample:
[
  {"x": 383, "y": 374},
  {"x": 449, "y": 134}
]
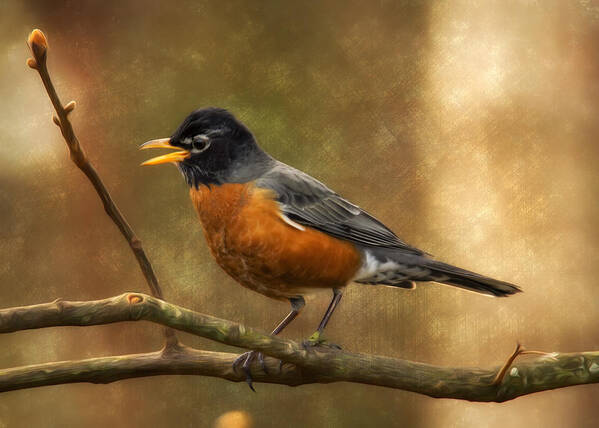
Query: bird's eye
[{"x": 199, "y": 143}]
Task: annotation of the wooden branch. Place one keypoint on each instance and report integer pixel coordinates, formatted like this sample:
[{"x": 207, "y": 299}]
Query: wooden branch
[
  {"x": 39, "y": 48},
  {"x": 320, "y": 365},
  {"x": 179, "y": 360}
]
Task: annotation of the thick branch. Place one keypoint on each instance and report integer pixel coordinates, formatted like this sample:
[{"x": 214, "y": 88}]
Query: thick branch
[
  {"x": 39, "y": 48},
  {"x": 319, "y": 365}
]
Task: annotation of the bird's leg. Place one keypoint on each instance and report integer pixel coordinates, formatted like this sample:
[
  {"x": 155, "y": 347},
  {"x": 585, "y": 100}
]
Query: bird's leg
[
  {"x": 245, "y": 359},
  {"x": 316, "y": 338}
]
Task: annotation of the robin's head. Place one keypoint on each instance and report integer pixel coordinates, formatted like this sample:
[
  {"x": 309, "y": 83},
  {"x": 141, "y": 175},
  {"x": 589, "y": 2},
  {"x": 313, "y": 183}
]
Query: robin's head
[{"x": 213, "y": 147}]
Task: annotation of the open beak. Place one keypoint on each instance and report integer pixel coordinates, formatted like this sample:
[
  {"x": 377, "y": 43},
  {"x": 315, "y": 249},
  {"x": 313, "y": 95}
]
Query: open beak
[{"x": 164, "y": 143}]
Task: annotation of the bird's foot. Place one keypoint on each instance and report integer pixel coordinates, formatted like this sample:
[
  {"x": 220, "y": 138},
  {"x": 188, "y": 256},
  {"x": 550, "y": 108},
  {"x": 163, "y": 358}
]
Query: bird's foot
[
  {"x": 245, "y": 362},
  {"x": 317, "y": 340}
]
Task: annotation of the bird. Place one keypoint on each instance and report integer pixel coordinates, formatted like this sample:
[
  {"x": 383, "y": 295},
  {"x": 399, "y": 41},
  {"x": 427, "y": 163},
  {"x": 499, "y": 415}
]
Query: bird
[{"x": 282, "y": 233}]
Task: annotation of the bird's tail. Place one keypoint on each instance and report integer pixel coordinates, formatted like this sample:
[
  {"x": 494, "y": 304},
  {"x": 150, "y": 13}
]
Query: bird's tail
[{"x": 451, "y": 275}]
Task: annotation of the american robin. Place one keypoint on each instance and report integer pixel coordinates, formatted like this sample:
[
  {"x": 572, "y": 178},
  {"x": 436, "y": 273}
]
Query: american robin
[{"x": 280, "y": 232}]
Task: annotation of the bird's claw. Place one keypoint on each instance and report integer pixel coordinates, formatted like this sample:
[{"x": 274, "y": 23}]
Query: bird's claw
[
  {"x": 262, "y": 363},
  {"x": 317, "y": 340},
  {"x": 245, "y": 361}
]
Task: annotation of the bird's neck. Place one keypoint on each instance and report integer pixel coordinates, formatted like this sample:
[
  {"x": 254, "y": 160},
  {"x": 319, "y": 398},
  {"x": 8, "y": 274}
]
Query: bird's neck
[{"x": 250, "y": 166}]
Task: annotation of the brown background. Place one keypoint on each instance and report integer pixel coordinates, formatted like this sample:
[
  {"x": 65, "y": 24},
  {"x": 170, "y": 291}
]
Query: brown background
[{"x": 470, "y": 128}]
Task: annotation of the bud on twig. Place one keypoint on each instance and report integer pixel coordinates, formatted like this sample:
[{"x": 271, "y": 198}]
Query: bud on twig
[
  {"x": 39, "y": 47},
  {"x": 70, "y": 106}
]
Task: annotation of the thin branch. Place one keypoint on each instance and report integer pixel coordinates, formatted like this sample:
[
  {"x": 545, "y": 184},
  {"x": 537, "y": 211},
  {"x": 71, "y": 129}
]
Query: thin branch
[
  {"x": 520, "y": 350},
  {"x": 177, "y": 361},
  {"x": 320, "y": 365},
  {"x": 39, "y": 48}
]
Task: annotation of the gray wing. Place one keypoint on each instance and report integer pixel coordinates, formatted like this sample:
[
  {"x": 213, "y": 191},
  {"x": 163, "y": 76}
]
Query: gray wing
[{"x": 310, "y": 203}]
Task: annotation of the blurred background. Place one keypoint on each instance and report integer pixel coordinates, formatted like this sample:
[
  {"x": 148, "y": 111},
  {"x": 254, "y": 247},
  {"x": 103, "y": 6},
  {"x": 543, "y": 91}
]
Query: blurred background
[{"x": 469, "y": 128}]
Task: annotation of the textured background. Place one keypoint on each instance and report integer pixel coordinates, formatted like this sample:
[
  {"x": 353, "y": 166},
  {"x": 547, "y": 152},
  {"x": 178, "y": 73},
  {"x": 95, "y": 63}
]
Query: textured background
[{"x": 470, "y": 128}]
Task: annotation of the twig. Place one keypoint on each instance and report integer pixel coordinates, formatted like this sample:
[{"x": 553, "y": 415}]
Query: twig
[
  {"x": 320, "y": 365},
  {"x": 39, "y": 48},
  {"x": 501, "y": 373},
  {"x": 520, "y": 350}
]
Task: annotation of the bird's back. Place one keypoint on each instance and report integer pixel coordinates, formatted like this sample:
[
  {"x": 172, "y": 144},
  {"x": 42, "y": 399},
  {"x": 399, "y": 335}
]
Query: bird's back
[{"x": 386, "y": 259}]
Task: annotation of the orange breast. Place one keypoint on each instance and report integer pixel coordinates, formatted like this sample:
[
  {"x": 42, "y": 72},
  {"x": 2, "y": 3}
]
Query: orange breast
[{"x": 251, "y": 241}]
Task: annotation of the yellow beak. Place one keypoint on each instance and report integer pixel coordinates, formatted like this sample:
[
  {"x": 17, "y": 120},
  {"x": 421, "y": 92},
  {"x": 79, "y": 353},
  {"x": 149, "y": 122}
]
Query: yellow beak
[{"x": 164, "y": 143}]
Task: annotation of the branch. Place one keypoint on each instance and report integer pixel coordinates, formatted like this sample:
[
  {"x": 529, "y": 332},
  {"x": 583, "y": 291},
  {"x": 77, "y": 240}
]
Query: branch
[
  {"x": 179, "y": 360},
  {"x": 320, "y": 365},
  {"x": 39, "y": 48}
]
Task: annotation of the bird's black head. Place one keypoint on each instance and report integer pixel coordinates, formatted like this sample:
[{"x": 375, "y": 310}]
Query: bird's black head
[{"x": 214, "y": 148}]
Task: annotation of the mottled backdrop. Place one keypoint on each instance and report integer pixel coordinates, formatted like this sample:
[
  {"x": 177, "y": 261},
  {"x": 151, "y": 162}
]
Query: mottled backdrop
[{"x": 470, "y": 128}]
